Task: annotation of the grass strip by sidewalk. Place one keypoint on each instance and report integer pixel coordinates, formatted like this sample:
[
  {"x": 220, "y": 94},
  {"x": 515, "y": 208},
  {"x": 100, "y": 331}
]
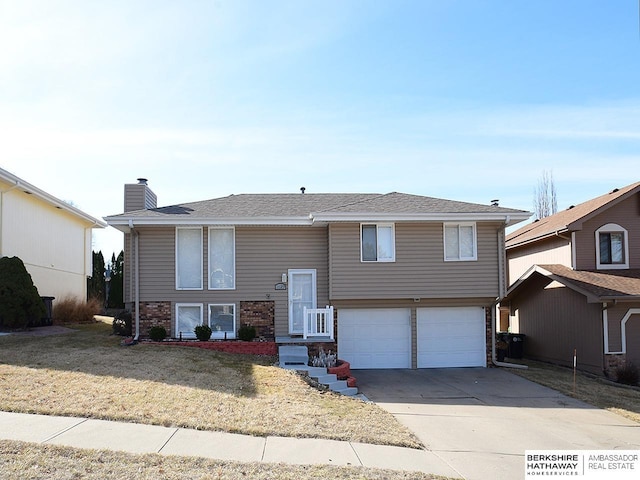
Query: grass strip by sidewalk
[
  {"x": 88, "y": 374},
  {"x": 597, "y": 391},
  {"x": 31, "y": 461}
]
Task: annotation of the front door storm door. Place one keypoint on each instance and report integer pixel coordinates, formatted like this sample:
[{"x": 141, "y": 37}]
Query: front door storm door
[{"x": 302, "y": 293}]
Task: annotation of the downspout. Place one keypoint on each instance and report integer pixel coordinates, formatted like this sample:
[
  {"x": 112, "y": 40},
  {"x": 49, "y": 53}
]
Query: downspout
[{"x": 135, "y": 246}]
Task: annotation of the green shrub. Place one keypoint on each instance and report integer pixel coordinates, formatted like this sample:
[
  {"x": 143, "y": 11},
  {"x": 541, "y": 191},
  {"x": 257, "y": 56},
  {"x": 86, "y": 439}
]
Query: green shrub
[
  {"x": 203, "y": 332},
  {"x": 157, "y": 333},
  {"x": 628, "y": 374},
  {"x": 71, "y": 309},
  {"x": 247, "y": 333},
  {"x": 20, "y": 302},
  {"x": 122, "y": 324}
]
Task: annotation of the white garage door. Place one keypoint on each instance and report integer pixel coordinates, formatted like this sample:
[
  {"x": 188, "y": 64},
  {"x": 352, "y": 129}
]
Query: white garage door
[
  {"x": 451, "y": 337},
  {"x": 375, "y": 338}
]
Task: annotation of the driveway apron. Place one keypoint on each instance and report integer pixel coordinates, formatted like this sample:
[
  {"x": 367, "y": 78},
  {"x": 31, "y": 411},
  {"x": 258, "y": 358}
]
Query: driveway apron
[{"x": 481, "y": 420}]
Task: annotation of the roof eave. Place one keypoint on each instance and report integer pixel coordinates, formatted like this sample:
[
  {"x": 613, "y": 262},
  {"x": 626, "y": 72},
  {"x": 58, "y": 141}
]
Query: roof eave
[
  {"x": 26, "y": 187},
  {"x": 507, "y": 218},
  {"x": 128, "y": 222},
  {"x": 591, "y": 298},
  {"x": 544, "y": 236}
]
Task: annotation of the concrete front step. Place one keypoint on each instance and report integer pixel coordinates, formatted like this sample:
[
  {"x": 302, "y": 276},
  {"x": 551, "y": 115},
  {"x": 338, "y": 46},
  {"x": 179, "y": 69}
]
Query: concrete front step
[
  {"x": 325, "y": 379},
  {"x": 293, "y": 360},
  {"x": 349, "y": 391},
  {"x": 296, "y": 357},
  {"x": 329, "y": 380}
]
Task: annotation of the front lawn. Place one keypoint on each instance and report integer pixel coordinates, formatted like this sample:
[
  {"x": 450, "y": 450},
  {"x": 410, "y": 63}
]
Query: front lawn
[
  {"x": 596, "y": 391},
  {"x": 25, "y": 461},
  {"x": 88, "y": 374}
]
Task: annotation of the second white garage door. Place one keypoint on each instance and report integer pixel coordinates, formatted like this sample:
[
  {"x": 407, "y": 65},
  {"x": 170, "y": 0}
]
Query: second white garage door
[
  {"x": 451, "y": 337},
  {"x": 375, "y": 337}
]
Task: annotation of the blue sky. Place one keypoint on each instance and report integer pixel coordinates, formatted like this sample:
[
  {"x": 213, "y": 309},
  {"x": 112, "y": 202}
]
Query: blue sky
[{"x": 469, "y": 100}]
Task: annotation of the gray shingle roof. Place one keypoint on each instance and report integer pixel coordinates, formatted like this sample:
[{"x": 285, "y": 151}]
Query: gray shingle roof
[
  {"x": 562, "y": 221},
  {"x": 614, "y": 284},
  {"x": 303, "y": 205}
]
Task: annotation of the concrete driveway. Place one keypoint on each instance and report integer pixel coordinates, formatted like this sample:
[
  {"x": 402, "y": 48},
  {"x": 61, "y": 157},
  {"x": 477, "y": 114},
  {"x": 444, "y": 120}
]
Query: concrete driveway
[{"x": 480, "y": 421}]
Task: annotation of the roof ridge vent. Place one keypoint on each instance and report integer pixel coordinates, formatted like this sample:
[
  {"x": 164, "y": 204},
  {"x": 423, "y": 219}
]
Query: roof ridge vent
[{"x": 614, "y": 190}]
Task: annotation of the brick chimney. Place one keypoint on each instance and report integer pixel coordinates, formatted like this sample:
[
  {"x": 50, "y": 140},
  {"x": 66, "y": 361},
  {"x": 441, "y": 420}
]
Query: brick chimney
[{"x": 138, "y": 196}]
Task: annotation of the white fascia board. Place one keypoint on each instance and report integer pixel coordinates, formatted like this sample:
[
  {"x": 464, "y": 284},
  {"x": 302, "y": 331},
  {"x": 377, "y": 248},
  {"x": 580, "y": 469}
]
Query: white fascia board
[
  {"x": 49, "y": 199},
  {"x": 507, "y": 218},
  {"x": 119, "y": 222}
]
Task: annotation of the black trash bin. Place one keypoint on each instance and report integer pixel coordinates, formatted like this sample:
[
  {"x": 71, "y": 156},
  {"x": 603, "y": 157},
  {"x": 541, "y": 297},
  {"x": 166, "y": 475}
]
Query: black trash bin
[
  {"x": 516, "y": 345},
  {"x": 47, "y": 320}
]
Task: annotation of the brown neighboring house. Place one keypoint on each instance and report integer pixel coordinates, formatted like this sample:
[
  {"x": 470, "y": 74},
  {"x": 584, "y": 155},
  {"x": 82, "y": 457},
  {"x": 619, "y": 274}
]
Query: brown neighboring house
[
  {"x": 575, "y": 283},
  {"x": 401, "y": 281}
]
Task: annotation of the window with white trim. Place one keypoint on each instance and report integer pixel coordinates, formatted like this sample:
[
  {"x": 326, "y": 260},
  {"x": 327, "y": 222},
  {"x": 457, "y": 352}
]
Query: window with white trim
[
  {"x": 188, "y": 317},
  {"x": 460, "y": 242},
  {"x": 222, "y": 258},
  {"x": 188, "y": 258},
  {"x": 612, "y": 248},
  {"x": 222, "y": 320},
  {"x": 377, "y": 242}
]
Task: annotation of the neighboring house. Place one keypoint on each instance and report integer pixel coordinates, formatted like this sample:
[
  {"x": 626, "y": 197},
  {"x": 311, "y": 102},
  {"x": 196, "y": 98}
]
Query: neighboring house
[
  {"x": 51, "y": 237},
  {"x": 409, "y": 279},
  {"x": 576, "y": 283}
]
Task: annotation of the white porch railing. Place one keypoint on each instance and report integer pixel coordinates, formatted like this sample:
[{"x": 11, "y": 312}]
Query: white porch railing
[{"x": 318, "y": 322}]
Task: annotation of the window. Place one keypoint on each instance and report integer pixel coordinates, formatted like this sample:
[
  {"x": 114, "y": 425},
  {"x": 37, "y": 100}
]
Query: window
[
  {"x": 222, "y": 261},
  {"x": 612, "y": 250},
  {"x": 189, "y": 258},
  {"x": 460, "y": 242},
  {"x": 222, "y": 320},
  {"x": 188, "y": 316},
  {"x": 377, "y": 242}
]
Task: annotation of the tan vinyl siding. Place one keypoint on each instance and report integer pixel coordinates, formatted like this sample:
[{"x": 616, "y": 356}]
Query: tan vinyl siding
[
  {"x": 419, "y": 270},
  {"x": 138, "y": 197},
  {"x": 627, "y": 215},
  {"x": 263, "y": 254},
  {"x": 556, "y": 250},
  {"x": 556, "y": 320}
]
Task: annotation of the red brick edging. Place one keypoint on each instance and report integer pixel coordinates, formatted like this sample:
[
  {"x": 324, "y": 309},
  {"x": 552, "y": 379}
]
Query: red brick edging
[{"x": 236, "y": 346}]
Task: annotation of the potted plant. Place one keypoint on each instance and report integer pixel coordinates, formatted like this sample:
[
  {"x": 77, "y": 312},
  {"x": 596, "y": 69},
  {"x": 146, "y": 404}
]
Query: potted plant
[{"x": 203, "y": 332}]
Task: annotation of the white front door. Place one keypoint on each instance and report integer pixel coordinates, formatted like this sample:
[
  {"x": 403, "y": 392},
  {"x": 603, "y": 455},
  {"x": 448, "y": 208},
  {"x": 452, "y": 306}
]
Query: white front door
[{"x": 302, "y": 293}]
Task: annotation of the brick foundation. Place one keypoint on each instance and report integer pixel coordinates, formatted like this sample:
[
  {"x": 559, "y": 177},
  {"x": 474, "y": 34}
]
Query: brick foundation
[
  {"x": 489, "y": 337},
  {"x": 259, "y": 314},
  {"x": 154, "y": 313}
]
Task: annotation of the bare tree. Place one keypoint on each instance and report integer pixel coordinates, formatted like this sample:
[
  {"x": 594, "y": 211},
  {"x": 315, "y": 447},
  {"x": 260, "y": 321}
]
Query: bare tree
[{"x": 545, "y": 201}]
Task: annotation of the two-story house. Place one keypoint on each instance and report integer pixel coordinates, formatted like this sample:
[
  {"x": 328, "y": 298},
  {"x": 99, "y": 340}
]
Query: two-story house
[
  {"x": 51, "y": 237},
  {"x": 575, "y": 283},
  {"x": 409, "y": 280}
]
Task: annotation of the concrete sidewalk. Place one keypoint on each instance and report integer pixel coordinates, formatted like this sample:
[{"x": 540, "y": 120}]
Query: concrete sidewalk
[{"x": 138, "y": 438}]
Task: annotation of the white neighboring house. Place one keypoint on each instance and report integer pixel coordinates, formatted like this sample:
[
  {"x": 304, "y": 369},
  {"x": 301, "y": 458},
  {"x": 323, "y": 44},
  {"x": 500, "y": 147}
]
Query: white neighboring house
[{"x": 51, "y": 237}]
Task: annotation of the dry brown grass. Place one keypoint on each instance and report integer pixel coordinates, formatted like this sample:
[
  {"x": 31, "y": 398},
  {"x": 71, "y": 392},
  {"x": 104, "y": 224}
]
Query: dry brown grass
[
  {"x": 593, "y": 390},
  {"x": 69, "y": 310},
  {"x": 87, "y": 373},
  {"x": 30, "y": 461}
]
